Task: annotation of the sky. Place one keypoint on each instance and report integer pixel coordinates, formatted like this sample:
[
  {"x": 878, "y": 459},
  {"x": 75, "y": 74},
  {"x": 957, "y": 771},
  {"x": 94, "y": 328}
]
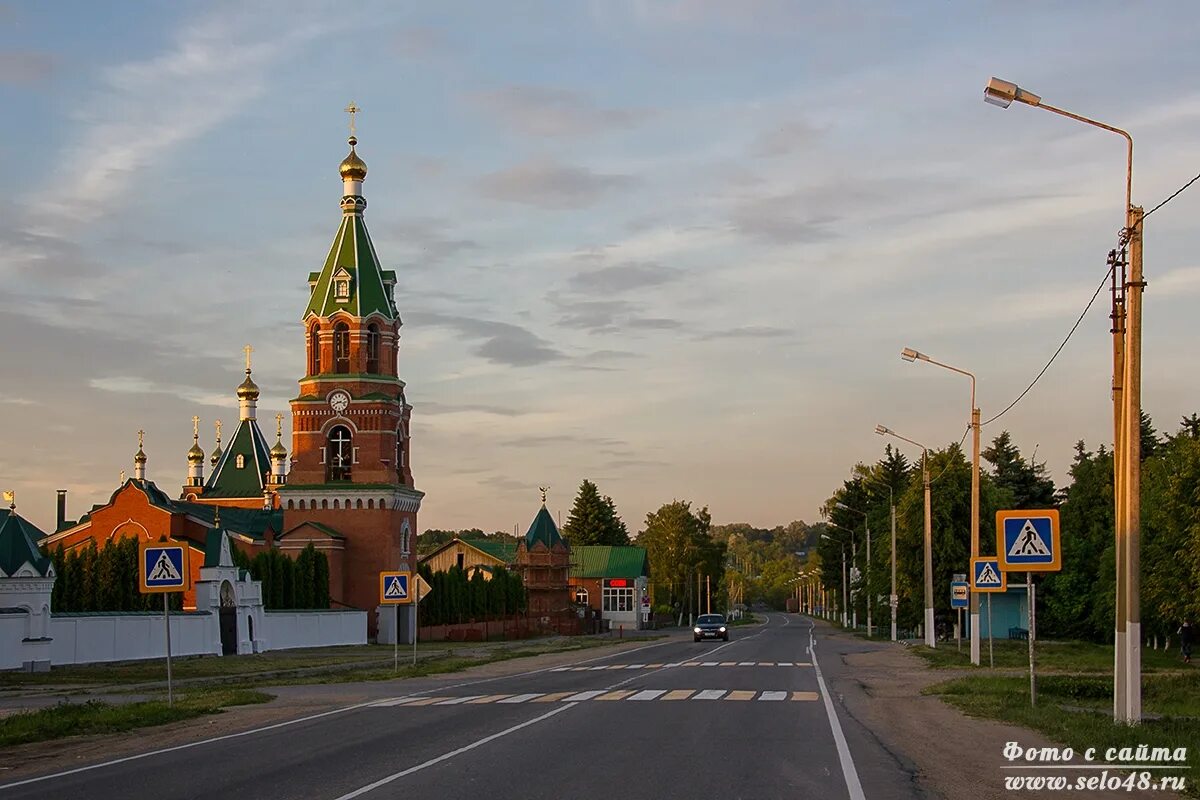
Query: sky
[{"x": 672, "y": 247}]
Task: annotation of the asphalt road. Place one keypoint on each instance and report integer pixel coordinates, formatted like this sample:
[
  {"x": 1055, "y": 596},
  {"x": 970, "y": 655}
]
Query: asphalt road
[{"x": 751, "y": 718}]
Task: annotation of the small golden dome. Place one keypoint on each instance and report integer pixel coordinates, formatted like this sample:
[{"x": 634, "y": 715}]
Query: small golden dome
[
  {"x": 248, "y": 390},
  {"x": 353, "y": 167},
  {"x": 216, "y": 456},
  {"x": 139, "y": 457},
  {"x": 278, "y": 451},
  {"x": 195, "y": 454}
]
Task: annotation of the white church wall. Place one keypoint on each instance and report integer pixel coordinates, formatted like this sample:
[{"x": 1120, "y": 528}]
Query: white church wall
[
  {"x": 97, "y": 638},
  {"x": 12, "y": 631},
  {"x": 283, "y": 630}
]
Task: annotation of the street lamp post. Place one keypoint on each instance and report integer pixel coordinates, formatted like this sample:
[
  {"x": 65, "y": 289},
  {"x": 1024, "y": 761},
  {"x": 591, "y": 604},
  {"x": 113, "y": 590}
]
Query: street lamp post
[
  {"x": 870, "y": 597},
  {"x": 908, "y": 354},
  {"x": 930, "y": 632},
  {"x": 1127, "y": 418},
  {"x": 845, "y": 595},
  {"x": 893, "y": 600}
]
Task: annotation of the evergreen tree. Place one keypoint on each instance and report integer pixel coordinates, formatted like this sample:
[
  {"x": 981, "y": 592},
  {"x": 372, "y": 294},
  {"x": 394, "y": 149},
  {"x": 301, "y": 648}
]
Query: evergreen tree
[
  {"x": 1025, "y": 483},
  {"x": 594, "y": 520},
  {"x": 305, "y": 567},
  {"x": 321, "y": 580}
]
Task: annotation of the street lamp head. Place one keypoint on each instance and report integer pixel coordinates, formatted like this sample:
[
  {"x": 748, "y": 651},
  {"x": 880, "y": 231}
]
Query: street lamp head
[
  {"x": 1003, "y": 93},
  {"x": 908, "y": 354},
  {"x": 882, "y": 431}
]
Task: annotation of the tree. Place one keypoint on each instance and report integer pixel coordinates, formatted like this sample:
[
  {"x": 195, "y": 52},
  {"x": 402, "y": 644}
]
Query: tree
[
  {"x": 1025, "y": 482},
  {"x": 593, "y": 519},
  {"x": 680, "y": 546}
]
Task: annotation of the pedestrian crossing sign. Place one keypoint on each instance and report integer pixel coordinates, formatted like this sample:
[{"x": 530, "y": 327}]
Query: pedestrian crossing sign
[
  {"x": 394, "y": 588},
  {"x": 1028, "y": 541},
  {"x": 986, "y": 575},
  {"x": 163, "y": 567}
]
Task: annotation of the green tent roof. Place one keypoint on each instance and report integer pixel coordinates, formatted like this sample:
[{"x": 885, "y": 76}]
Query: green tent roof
[
  {"x": 544, "y": 530},
  {"x": 18, "y": 544},
  {"x": 353, "y": 252},
  {"x": 602, "y": 561},
  {"x": 229, "y": 481}
]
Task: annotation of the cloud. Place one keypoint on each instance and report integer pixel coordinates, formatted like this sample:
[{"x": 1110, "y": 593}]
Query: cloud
[
  {"x": 213, "y": 70},
  {"x": 504, "y": 343},
  {"x": 550, "y": 185},
  {"x": 747, "y": 332},
  {"x": 783, "y": 219},
  {"x": 24, "y": 68},
  {"x": 596, "y": 316},
  {"x": 563, "y": 439},
  {"x": 430, "y": 239},
  {"x": 784, "y": 139},
  {"x": 653, "y": 323},
  {"x": 622, "y": 278},
  {"x": 434, "y": 408},
  {"x": 549, "y": 112},
  {"x": 420, "y": 42}
]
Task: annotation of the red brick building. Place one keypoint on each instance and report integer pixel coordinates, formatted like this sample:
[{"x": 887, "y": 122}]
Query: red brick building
[{"x": 349, "y": 489}]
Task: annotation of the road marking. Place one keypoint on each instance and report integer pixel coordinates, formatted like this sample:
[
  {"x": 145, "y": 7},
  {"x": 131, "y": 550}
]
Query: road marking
[
  {"x": 489, "y": 698},
  {"x": 789, "y": 663},
  {"x": 621, "y": 695},
  {"x": 734, "y": 663},
  {"x": 709, "y": 694},
  {"x": 521, "y": 698},
  {"x": 653, "y": 666},
  {"x": 853, "y": 784},
  {"x": 453, "y": 701},
  {"x": 649, "y": 694},
  {"x": 452, "y": 753},
  {"x": 804, "y": 695},
  {"x": 636, "y": 666},
  {"x": 740, "y": 694},
  {"x": 691, "y": 663},
  {"x": 766, "y": 663},
  {"x": 678, "y": 694},
  {"x": 560, "y": 669},
  {"x": 552, "y": 697},
  {"x": 426, "y": 701},
  {"x": 575, "y": 698},
  {"x": 395, "y": 701},
  {"x": 602, "y": 666},
  {"x": 746, "y": 664},
  {"x": 773, "y": 696},
  {"x": 709, "y": 664}
]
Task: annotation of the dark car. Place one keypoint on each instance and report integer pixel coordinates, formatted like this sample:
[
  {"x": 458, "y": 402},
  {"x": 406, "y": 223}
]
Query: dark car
[{"x": 710, "y": 626}]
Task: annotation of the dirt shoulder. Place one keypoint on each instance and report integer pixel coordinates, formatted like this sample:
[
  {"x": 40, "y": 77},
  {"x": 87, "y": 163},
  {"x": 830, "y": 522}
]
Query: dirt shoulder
[{"x": 951, "y": 754}]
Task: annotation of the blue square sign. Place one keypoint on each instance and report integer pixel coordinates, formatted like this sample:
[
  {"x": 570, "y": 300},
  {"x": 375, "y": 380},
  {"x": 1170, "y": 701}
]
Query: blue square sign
[
  {"x": 1028, "y": 541},
  {"x": 960, "y": 594},
  {"x": 394, "y": 588},
  {"x": 163, "y": 567}
]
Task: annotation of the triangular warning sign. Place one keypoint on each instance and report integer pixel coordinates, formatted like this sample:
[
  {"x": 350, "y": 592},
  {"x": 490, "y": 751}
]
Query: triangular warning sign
[
  {"x": 394, "y": 589},
  {"x": 164, "y": 569},
  {"x": 1029, "y": 542},
  {"x": 987, "y": 576}
]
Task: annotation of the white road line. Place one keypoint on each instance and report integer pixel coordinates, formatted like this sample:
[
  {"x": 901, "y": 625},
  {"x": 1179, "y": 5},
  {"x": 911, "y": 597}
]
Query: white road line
[
  {"x": 453, "y": 701},
  {"x": 452, "y": 753},
  {"x": 853, "y": 785},
  {"x": 713, "y": 663},
  {"x": 521, "y": 698},
  {"x": 575, "y": 698},
  {"x": 602, "y": 666},
  {"x": 740, "y": 663},
  {"x": 560, "y": 669},
  {"x": 709, "y": 694},
  {"x": 789, "y": 663},
  {"x": 648, "y": 694},
  {"x": 640, "y": 666},
  {"x": 773, "y": 696},
  {"x": 395, "y": 701}
]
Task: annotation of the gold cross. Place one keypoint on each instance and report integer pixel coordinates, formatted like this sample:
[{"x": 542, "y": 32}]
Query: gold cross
[
  {"x": 195, "y": 427},
  {"x": 278, "y": 426},
  {"x": 352, "y": 110},
  {"x": 248, "y": 350},
  {"x": 543, "y": 490},
  {"x": 140, "y": 435},
  {"x": 122, "y": 477},
  {"x": 217, "y": 425}
]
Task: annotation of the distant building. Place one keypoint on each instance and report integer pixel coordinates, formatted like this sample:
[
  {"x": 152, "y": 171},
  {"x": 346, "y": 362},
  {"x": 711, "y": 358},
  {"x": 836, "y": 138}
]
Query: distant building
[
  {"x": 612, "y": 581},
  {"x": 484, "y": 555}
]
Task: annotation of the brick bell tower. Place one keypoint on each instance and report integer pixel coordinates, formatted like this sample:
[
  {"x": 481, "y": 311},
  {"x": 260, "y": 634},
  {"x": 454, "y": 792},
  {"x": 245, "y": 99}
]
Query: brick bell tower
[{"x": 350, "y": 488}]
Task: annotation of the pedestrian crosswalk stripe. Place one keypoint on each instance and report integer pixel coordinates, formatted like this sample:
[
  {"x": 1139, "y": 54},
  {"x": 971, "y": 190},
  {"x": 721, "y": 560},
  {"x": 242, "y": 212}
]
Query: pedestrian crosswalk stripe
[
  {"x": 618, "y": 695},
  {"x": 691, "y": 663},
  {"x": 602, "y": 666},
  {"x": 575, "y": 698},
  {"x": 728, "y": 663},
  {"x": 552, "y": 697},
  {"x": 709, "y": 694},
  {"x": 653, "y": 666},
  {"x": 427, "y": 701},
  {"x": 773, "y": 696},
  {"x": 454, "y": 701},
  {"x": 618, "y": 666},
  {"x": 394, "y": 701},
  {"x": 804, "y": 695},
  {"x": 648, "y": 694},
  {"x": 709, "y": 663},
  {"x": 491, "y": 698},
  {"x": 521, "y": 698},
  {"x": 785, "y": 663},
  {"x": 741, "y": 694},
  {"x": 678, "y": 694},
  {"x": 560, "y": 669},
  {"x": 636, "y": 666},
  {"x": 766, "y": 663},
  {"x": 745, "y": 663}
]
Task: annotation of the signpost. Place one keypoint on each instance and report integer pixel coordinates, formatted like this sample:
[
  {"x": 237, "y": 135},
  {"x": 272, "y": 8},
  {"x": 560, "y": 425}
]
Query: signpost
[
  {"x": 1028, "y": 540},
  {"x": 163, "y": 568},
  {"x": 960, "y": 598},
  {"x": 394, "y": 591},
  {"x": 988, "y": 578}
]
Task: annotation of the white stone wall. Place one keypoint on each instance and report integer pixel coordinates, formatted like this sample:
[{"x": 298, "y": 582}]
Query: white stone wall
[
  {"x": 283, "y": 630},
  {"x": 92, "y": 639},
  {"x": 12, "y": 631}
]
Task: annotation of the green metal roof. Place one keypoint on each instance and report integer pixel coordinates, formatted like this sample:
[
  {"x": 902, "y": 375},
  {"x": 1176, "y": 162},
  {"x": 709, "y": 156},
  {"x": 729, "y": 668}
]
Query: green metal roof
[
  {"x": 18, "y": 538},
  {"x": 325, "y": 529},
  {"x": 252, "y": 522},
  {"x": 212, "y": 547},
  {"x": 544, "y": 530},
  {"x": 603, "y": 561},
  {"x": 503, "y": 551},
  {"x": 229, "y": 481},
  {"x": 353, "y": 252}
]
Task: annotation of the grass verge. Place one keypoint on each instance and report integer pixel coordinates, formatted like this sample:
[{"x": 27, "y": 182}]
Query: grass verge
[
  {"x": 1051, "y": 656},
  {"x": 95, "y": 716},
  {"x": 1076, "y": 710}
]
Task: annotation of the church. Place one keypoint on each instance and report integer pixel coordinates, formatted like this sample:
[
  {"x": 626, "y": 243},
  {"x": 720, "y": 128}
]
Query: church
[{"x": 347, "y": 486}]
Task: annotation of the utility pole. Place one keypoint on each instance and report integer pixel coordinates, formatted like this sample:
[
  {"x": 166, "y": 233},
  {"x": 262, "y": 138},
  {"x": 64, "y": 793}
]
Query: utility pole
[
  {"x": 870, "y": 591},
  {"x": 894, "y": 600},
  {"x": 1133, "y": 469},
  {"x": 974, "y": 601},
  {"x": 930, "y": 632}
]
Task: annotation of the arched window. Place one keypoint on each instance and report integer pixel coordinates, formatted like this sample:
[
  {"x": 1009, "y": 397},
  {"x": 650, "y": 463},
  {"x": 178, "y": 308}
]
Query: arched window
[
  {"x": 314, "y": 351},
  {"x": 400, "y": 451},
  {"x": 241, "y": 461},
  {"x": 581, "y": 595},
  {"x": 341, "y": 348},
  {"x": 373, "y": 348},
  {"x": 405, "y": 534},
  {"x": 339, "y": 454}
]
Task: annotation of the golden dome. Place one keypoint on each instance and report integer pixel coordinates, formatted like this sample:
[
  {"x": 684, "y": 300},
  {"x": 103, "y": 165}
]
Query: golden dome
[
  {"x": 216, "y": 456},
  {"x": 353, "y": 167},
  {"x": 248, "y": 390},
  {"x": 139, "y": 457},
  {"x": 195, "y": 454},
  {"x": 278, "y": 451}
]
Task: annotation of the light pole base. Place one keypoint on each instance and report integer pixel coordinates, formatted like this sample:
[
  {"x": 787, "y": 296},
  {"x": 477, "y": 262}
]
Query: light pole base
[
  {"x": 976, "y": 656},
  {"x": 930, "y": 631}
]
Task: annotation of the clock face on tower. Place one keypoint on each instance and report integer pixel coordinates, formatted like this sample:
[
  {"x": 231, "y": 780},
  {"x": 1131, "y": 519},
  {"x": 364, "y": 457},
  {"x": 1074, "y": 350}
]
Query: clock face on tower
[{"x": 339, "y": 401}]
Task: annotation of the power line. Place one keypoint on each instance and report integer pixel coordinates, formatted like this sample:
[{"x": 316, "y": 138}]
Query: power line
[
  {"x": 1070, "y": 333},
  {"x": 1177, "y": 192}
]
